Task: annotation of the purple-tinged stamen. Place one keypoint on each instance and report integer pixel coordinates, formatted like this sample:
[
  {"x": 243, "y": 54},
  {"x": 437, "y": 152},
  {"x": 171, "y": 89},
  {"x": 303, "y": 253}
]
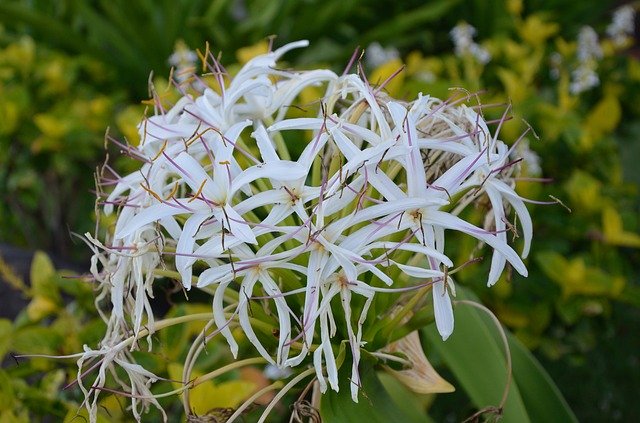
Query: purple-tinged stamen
[
  {"x": 126, "y": 149},
  {"x": 386, "y": 81},
  {"x": 352, "y": 60}
]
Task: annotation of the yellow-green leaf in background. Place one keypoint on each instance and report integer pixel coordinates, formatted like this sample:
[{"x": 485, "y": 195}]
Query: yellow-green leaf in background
[
  {"x": 247, "y": 53},
  {"x": 614, "y": 232},
  {"x": 576, "y": 278},
  {"x": 512, "y": 82},
  {"x": 6, "y": 331},
  {"x": 584, "y": 192},
  {"x": 127, "y": 122},
  {"x": 36, "y": 340},
  {"x": 51, "y": 126},
  {"x": 43, "y": 277},
  {"x": 209, "y": 395},
  {"x": 535, "y": 31},
  {"x": 40, "y": 307},
  {"x": 601, "y": 120},
  {"x": 384, "y": 71}
]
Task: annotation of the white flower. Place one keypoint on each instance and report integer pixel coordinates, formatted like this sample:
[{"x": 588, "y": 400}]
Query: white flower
[
  {"x": 622, "y": 26},
  {"x": 585, "y": 77},
  {"x": 588, "y": 45},
  {"x": 219, "y": 199},
  {"x": 462, "y": 36},
  {"x": 376, "y": 55}
]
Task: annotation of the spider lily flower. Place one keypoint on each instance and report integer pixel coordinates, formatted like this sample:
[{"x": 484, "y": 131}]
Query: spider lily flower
[{"x": 219, "y": 200}]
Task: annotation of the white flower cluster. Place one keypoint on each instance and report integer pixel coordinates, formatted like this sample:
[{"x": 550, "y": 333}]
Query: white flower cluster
[
  {"x": 183, "y": 60},
  {"x": 462, "y": 36},
  {"x": 585, "y": 77},
  {"x": 219, "y": 198},
  {"x": 622, "y": 26},
  {"x": 376, "y": 55}
]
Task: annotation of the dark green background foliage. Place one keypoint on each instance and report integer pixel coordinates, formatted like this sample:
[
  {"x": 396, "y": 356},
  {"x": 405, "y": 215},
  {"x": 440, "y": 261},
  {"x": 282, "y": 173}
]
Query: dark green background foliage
[{"x": 69, "y": 69}]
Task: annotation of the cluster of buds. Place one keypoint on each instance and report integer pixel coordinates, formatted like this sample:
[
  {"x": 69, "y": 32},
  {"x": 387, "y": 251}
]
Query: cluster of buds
[{"x": 361, "y": 210}]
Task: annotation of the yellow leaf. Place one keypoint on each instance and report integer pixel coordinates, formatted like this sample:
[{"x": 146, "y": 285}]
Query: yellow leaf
[
  {"x": 10, "y": 112},
  {"x": 633, "y": 69},
  {"x": 43, "y": 276},
  {"x": 602, "y": 120},
  {"x": 584, "y": 192},
  {"x": 245, "y": 54},
  {"x": 514, "y": 7},
  {"x": 51, "y": 126},
  {"x": 513, "y": 85},
  {"x": 380, "y": 75},
  {"x": 209, "y": 395},
  {"x": 614, "y": 232},
  {"x": 535, "y": 31},
  {"x": 576, "y": 278},
  {"x": 40, "y": 307},
  {"x": 127, "y": 123}
]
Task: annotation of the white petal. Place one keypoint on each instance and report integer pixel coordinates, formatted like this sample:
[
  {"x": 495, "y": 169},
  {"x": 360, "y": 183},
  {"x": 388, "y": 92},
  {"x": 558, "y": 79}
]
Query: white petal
[
  {"x": 236, "y": 224},
  {"x": 246, "y": 291},
  {"x": 419, "y": 272},
  {"x": 220, "y": 319},
  {"x": 443, "y": 310},
  {"x": 265, "y": 144},
  {"x": 195, "y": 176},
  {"x": 184, "y": 249},
  {"x": 449, "y": 221},
  {"x": 523, "y": 214},
  {"x": 281, "y": 171}
]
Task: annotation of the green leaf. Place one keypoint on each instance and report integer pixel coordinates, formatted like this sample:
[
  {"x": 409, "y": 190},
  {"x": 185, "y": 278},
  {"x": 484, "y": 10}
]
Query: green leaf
[
  {"x": 478, "y": 362},
  {"x": 43, "y": 277},
  {"x": 374, "y": 405},
  {"x": 36, "y": 340},
  {"x": 406, "y": 22},
  {"x": 6, "y": 331},
  {"x": 541, "y": 396},
  {"x": 475, "y": 355}
]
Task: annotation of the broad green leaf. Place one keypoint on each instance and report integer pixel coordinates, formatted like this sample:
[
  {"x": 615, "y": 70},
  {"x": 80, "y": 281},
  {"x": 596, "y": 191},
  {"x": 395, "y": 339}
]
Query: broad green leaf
[
  {"x": 541, "y": 396},
  {"x": 478, "y": 361},
  {"x": 413, "y": 404},
  {"x": 374, "y": 405},
  {"x": 475, "y": 355}
]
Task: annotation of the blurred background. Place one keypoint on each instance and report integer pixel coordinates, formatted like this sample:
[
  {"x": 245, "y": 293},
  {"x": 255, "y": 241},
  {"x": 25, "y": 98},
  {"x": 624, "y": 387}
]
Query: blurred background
[{"x": 570, "y": 69}]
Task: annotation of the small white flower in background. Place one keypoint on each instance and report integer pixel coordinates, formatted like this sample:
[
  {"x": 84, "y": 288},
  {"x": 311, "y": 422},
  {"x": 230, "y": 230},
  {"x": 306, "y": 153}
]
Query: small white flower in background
[
  {"x": 584, "y": 77},
  {"x": 462, "y": 37},
  {"x": 219, "y": 200},
  {"x": 183, "y": 60},
  {"x": 376, "y": 55},
  {"x": 622, "y": 26},
  {"x": 588, "y": 45},
  {"x": 530, "y": 158}
]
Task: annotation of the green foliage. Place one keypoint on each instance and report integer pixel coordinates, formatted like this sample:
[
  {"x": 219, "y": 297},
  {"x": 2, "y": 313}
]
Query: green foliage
[
  {"x": 475, "y": 353},
  {"x": 55, "y": 111}
]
